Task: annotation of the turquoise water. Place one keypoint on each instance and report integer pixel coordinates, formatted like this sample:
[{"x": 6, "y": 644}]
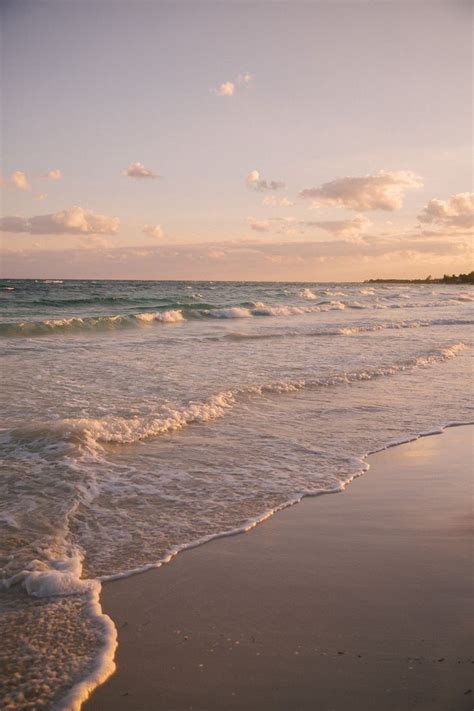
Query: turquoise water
[{"x": 139, "y": 418}]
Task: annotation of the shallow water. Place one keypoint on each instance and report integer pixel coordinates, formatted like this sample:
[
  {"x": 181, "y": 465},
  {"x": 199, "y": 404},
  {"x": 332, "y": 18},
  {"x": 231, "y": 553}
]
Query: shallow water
[{"x": 143, "y": 417}]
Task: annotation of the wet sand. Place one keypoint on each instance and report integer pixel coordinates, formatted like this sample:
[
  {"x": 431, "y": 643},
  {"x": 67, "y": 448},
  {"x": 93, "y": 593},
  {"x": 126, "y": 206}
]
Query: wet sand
[{"x": 360, "y": 600}]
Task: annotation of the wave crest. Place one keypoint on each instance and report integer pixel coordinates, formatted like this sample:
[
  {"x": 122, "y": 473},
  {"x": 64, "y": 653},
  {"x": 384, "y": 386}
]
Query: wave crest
[{"x": 93, "y": 433}]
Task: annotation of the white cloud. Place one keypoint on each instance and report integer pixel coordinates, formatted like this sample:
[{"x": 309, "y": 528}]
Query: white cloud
[
  {"x": 226, "y": 89},
  {"x": 73, "y": 220},
  {"x": 455, "y": 213},
  {"x": 244, "y": 78},
  {"x": 138, "y": 170},
  {"x": 383, "y": 191},
  {"x": 155, "y": 231},
  {"x": 255, "y": 182},
  {"x": 41, "y": 196},
  {"x": 19, "y": 180},
  {"x": 54, "y": 174},
  {"x": 273, "y": 201}
]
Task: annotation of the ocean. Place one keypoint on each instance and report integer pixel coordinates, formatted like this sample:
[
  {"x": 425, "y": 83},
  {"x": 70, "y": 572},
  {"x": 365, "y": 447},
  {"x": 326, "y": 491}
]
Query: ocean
[{"x": 141, "y": 418}]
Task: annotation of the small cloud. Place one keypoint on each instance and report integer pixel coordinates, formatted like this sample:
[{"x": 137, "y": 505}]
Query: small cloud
[
  {"x": 226, "y": 89},
  {"x": 244, "y": 78},
  {"x": 216, "y": 254},
  {"x": 138, "y": 170},
  {"x": 343, "y": 228},
  {"x": 154, "y": 231},
  {"x": 383, "y": 191},
  {"x": 19, "y": 180},
  {"x": 455, "y": 213},
  {"x": 73, "y": 221},
  {"x": 280, "y": 225},
  {"x": 40, "y": 196},
  {"x": 255, "y": 182},
  {"x": 54, "y": 174},
  {"x": 260, "y": 225},
  {"x": 273, "y": 201}
]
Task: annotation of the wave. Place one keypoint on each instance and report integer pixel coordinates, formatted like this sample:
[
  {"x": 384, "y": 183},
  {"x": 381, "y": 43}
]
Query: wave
[
  {"x": 307, "y": 294},
  {"x": 93, "y": 433},
  {"x": 343, "y": 331},
  {"x": 49, "y": 281},
  {"x": 104, "y": 663},
  {"x": 87, "y": 323},
  {"x": 189, "y": 312},
  {"x": 179, "y": 311}
]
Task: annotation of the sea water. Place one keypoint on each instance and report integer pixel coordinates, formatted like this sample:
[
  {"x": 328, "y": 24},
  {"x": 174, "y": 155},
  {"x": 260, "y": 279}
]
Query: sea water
[{"x": 141, "y": 418}]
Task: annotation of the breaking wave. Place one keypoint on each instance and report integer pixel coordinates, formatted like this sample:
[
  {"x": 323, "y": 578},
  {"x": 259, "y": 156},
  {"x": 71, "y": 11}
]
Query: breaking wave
[
  {"x": 174, "y": 312},
  {"x": 87, "y": 323},
  {"x": 95, "y": 432}
]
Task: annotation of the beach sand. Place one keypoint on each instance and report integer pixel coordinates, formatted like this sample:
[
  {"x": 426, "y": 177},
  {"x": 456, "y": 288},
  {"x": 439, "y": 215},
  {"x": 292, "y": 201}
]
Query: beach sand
[{"x": 360, "y": 600}]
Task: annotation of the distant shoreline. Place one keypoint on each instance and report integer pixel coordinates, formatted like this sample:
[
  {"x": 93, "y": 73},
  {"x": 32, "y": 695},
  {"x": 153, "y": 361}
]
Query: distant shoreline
[{"x": 446, "y": 279}]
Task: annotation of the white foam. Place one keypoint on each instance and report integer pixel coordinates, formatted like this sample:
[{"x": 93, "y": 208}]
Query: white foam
[
  {"x": 173, "y": 316},
  {"x": 104, "y": 665},
  {"x": 307, "y": 294},
  {"x": 332, "y": 305},
  {"x": 122, "y": 430},
  {"x": 61, "y": 576},
  {"x": 54, "y": 576},
  {"x": 231, "y": 312}
]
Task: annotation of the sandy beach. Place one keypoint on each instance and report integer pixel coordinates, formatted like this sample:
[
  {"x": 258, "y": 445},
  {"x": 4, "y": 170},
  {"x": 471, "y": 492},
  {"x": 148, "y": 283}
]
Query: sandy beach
[{"x": 358, "y": 600}]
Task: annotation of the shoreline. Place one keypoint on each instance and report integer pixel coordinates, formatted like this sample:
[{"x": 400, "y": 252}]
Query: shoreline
[{"x": 119, "y": 597}]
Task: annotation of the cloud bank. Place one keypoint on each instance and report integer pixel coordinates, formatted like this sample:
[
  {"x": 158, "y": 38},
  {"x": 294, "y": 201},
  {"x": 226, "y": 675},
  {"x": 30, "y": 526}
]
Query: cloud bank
[{"x": 329, "y": 260}]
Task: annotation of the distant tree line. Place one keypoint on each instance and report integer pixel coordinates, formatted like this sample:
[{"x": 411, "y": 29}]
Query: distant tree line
[
  {"x": 446, "y": 279},
  {"x": 458, "y": 279}
]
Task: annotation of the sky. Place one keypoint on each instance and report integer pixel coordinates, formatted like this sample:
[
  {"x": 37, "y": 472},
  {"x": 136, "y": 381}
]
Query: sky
[{"x": 311, "y": 141}]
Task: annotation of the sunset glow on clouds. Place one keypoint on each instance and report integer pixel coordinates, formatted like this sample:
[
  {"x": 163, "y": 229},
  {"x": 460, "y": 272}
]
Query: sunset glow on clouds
[
  {"x": 138, "y": 170},
  {"x": 255, "y": 182},
  {"x": 54, "y": 174},
  {"x": 73, "y": 220},
  {"x": 455, "y": 213},
  {"x": 383, "y": 191},
  {"x": 155, "y": 231},
  {"x": 228, "y": 88},
  {"x": 309, "y": 151}
]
